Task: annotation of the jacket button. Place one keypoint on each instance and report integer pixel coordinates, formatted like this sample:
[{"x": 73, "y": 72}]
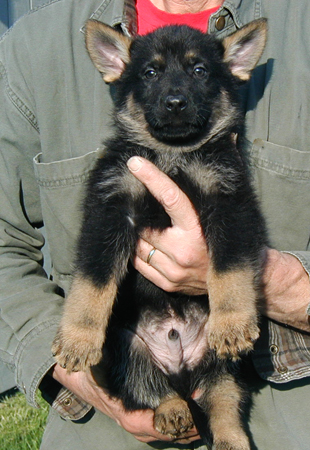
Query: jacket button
[
  {"x": 220, "y": 23},
  {"x": 282, "y": 369},
  {"x": 274, "y": 349},
  {"x": 67, "y": 402}
]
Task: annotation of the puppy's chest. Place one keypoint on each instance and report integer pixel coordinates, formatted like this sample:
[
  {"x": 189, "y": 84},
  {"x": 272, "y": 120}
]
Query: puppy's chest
[
  {"x": 200, "y": 177},
  {"x": 194, "y": 175}
]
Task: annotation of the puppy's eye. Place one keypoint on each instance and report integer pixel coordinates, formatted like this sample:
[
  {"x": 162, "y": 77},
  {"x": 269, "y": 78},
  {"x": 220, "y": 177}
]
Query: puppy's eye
[
  {"x": 150, "y": 73},
  {"x": 200, "y": 72}
]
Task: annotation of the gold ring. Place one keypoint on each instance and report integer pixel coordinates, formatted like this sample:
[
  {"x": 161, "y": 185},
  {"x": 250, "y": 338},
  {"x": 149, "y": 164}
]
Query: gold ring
[{"x": 150, "y": 255}]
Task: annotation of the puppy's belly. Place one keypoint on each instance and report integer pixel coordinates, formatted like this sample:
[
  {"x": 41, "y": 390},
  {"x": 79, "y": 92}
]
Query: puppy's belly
[{"x": 173, "y": 343}]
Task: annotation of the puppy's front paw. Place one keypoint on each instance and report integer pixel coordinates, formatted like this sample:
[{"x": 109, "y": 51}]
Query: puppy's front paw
[
  {"x": 231, "y": 335},
  {"x": 173, "y": 418},
  {"x": 77, "y": 350}
]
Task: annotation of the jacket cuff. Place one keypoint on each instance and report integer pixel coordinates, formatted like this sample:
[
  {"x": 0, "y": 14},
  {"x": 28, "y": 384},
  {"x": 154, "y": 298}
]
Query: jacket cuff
[
  {"x": 34, "y": 359},
  {"x": 69, "y": 406},
  {"x": 281, "y": 354}
]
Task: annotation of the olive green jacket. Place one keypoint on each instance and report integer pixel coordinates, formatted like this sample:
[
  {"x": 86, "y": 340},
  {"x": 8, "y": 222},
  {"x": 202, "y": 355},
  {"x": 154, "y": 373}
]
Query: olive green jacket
[{"x": 54, "y": 115}]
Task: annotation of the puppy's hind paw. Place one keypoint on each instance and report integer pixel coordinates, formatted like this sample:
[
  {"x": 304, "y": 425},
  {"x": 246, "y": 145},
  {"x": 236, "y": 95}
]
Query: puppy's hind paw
[{"x": 173, "y": 418}]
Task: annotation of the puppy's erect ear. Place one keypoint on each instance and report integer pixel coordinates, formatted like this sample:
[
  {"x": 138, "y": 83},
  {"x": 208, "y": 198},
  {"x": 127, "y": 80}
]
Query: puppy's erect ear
[
  {"x": 108, "y": 49},
  {"x": 244, "y": 48}
]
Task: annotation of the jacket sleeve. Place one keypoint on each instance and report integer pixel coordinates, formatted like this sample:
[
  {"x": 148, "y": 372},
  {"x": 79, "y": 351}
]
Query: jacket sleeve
[{"x": 30, "y": 304}]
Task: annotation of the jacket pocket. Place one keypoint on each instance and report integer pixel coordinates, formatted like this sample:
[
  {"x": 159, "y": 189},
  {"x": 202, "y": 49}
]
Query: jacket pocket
[
  {"x": 62, "y": 188},
  {"x": 282, "y": 179}
]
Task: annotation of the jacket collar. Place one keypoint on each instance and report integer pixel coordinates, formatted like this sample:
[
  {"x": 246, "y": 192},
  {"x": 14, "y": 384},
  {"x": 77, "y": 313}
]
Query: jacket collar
[
  {"x": 236, "y": 13},
  {"x": 123, "y": 15}
]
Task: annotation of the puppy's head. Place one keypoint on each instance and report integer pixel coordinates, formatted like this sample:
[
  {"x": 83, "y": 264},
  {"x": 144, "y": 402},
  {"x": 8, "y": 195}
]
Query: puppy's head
[{"x": 175, "y": 86}]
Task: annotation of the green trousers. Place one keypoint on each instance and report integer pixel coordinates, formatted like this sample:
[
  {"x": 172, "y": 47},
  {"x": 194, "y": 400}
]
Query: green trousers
[{"x": 278, "y": 420}]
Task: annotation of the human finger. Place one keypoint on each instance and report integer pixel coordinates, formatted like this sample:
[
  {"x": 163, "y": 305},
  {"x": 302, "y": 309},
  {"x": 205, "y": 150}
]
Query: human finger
[
  {"x": 182, "y": 259},
  {"x": 175, "y": 202},
  {"x": 152, "y": 256},
  {"x": 190, "y": 287},
  {"x": 187, "y": 249},
  {"x": 140, "y": 424}
]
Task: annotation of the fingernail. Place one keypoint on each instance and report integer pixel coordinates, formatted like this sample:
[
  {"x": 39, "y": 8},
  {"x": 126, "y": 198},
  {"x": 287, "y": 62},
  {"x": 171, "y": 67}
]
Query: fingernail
[{"x": 134, "y": 163}]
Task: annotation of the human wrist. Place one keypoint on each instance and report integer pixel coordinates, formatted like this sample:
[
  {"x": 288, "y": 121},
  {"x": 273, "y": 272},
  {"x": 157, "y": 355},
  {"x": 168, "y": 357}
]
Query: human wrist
[
  {"x": 84, "y": 386},
  {"x": 74, "y": 381},
  {"x": 286, "y": 289}
]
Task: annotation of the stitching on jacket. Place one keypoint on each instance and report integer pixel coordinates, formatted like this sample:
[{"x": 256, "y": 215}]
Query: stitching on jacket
[
  {"x": 17, "y": 102},
  {"x": 69, "y": 181},
  {"x": 96, "y": 14},
  {"x": 280, "y": 169},
  {"x": 258, "y": 10}
]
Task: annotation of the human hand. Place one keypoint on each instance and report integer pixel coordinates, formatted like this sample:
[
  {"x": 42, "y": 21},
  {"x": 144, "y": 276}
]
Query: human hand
[
  {"x": 287, "y": 290},
  {"x": 139, "y": 423},
  {"x": 181, "y": 259}
]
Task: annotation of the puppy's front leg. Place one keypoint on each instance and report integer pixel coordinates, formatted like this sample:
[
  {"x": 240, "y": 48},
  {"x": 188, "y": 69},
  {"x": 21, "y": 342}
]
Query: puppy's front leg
[
  {"x": 106, "y": 243},
  {"x": 78, "y": 343},
  {"x": 237, "y": 238},
  {"x": 232, "y": 325}
]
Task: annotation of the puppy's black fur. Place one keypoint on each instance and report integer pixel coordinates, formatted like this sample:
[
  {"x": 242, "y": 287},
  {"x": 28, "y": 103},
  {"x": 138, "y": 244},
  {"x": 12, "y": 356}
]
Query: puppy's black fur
[{"x": 176, "y": 105}]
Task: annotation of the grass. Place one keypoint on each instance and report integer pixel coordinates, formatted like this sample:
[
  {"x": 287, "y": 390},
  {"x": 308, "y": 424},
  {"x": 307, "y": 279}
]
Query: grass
[{"x": 21, "y": 426}]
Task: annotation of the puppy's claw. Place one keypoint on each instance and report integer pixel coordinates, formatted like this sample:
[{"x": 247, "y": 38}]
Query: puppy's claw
[
  {"x": 173, "y": 418},
  {"x": 233, "y": 339},
  {"x": 76, "y": 355}
]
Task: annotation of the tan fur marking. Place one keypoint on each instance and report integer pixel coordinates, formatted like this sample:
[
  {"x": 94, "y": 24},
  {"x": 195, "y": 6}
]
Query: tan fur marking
[
  {"x": 81, "y": 335},
  {"x": 212, "y": 179},
  {"x": 225, "y": 422},
  {"x": 207, "y": 177},
  {"x": 110, "y": 78},
  {"x": 159, "y": 59},
  {"x": 132, "y": 117},
  {"x": 172, "y": 417},
  {"x": 233, "y": 317},
  {"x": 223, "y": 115},
  {"x": 126, "y": 183},
  {"x": 191, "y": 55},
  {"x": 132, "y": 185}
]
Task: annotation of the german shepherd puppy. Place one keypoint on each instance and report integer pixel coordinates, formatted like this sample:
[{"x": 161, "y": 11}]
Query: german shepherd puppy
[{"x": 177, "y": 105}]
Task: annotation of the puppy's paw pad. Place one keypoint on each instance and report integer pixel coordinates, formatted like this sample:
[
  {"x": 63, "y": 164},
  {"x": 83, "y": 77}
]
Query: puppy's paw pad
[
  {"x": 75, "y": 354},
  {"x": 233, "y": 339},
  {"x": 173, "y": 422}
]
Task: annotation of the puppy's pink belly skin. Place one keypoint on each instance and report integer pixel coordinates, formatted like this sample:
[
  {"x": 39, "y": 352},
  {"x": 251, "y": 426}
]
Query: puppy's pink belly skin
[{"x": 174, "y": 343}]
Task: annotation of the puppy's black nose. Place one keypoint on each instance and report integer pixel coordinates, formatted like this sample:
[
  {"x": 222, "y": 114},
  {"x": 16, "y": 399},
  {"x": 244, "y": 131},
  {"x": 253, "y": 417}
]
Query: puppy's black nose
[{"x": 176, "y": 103}]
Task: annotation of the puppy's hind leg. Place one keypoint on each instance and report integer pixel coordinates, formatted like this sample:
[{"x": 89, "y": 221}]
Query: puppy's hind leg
[{"x": 221, "y": 402}]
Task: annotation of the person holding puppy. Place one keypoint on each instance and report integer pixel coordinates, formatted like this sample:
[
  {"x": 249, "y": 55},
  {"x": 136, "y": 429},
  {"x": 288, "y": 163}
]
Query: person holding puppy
[{"x": 48, "y": 83}]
